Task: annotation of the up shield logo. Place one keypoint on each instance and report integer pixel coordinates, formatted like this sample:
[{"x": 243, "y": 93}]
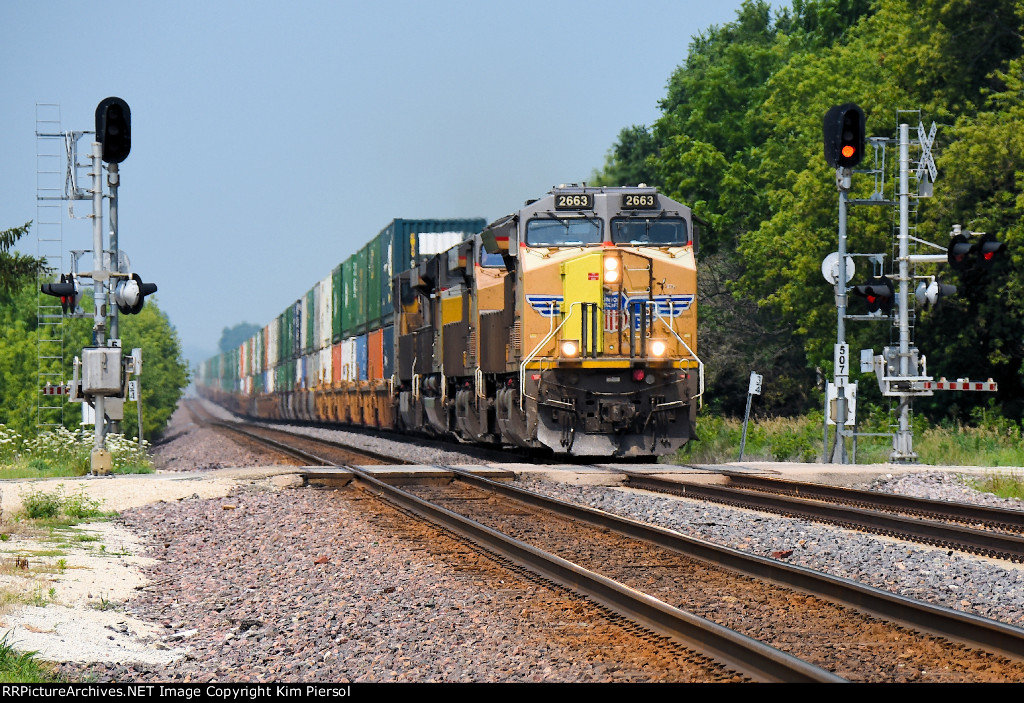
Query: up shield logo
[{"x": 615, "y": 304}]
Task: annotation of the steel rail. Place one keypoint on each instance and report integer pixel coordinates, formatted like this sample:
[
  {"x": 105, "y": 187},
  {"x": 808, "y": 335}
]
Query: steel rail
[
  {"x": 299, "y": 453},
  {"x": 959, "y": 512},
  {"x": 972, "y": 630},
  {"x": 736, "y": 651},
  {"x": 983, "y": 542}
]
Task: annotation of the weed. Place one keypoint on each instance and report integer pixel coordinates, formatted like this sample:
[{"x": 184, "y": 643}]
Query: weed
[
  {"x": 22, "y": 667},
  {"x": 62, "y": 565},
  {"x": 81, "y": 506},
  {"x": 42, "y": 505},
  {"x": 1009, "y": 485},
  {"x": 105, "y": 603},
  {"x": 39, "y": 504}
]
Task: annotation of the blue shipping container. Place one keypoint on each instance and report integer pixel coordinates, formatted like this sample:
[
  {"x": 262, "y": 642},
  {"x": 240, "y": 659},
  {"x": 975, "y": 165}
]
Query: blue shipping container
[
  {"x": 361, "y": 356},
  {"x": 389, "y": 351}
]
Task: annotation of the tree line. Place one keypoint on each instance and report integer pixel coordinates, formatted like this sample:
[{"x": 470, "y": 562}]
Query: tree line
[{"x": 740, "y": 140}]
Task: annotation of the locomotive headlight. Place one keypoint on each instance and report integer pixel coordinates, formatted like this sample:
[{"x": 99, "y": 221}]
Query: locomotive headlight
[
  {"x": 570, "y": 347},
  {"x": 658, "y": 347},
  {"x": 611, "y": 269}
]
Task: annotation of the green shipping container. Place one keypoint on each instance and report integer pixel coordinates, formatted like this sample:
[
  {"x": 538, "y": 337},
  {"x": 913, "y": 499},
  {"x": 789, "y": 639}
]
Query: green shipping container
[
  {"x": 336, "y": 312},
  {"x": 359, "y": 306},
  {"x": 349, "y": 297},
  {"x": 309, "y": 313},
  {"x": 373, "y": 278}
]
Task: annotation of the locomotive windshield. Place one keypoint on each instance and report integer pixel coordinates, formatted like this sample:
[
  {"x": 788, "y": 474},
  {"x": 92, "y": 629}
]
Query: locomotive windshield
[
  {"x": 566, "y": 232},
  {"x": 649, "y": 231}
]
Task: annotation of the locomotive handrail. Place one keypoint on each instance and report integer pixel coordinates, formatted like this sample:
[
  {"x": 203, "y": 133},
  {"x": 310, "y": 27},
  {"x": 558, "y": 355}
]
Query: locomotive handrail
[
  {"x": 700, "y": 364},
  {"x": 536, "y": 351},
  {"x": 478, "y": 382}
]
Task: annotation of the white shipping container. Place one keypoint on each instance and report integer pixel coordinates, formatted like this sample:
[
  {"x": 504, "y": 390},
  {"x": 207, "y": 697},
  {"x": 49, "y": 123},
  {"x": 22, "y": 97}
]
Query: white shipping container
[
  {"x": 437, "y": 242},
  {"x": 272, "y": 333},
  {"x": 349, "y": 368},
  {"x": 268, "y": 381},
  {"x": 313, "y": 370},
  {"x": 325, "y": 366},
  {"x": 325, "y": 311}
]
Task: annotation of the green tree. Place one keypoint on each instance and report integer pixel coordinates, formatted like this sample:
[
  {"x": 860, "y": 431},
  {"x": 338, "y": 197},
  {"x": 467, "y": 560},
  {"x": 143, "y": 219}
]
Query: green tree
[
  {"x": 16, "y": 268},
  {"x": 233, "y": 337}
]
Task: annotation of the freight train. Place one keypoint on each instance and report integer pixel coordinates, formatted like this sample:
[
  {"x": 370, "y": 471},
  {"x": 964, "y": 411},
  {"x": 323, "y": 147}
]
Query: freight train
[{"x": 569, "y": 326}]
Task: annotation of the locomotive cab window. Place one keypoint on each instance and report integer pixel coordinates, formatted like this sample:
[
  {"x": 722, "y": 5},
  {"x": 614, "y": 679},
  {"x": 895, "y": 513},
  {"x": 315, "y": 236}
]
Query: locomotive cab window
[
  {"x": 565, "y": 232},
  {"x": 491, "y": 261},
  {"x": 669, "y": 232}
]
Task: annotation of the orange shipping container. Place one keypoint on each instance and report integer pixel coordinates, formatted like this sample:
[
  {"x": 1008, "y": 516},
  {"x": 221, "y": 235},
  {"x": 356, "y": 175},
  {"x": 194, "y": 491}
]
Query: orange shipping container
[
  {"x": 336, "y": 374},
  {"x": 375, "y": 355}
]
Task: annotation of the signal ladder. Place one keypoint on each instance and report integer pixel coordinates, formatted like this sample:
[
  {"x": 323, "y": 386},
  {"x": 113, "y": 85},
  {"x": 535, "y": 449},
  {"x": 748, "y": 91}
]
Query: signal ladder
[{"x": 51, "y": 171}]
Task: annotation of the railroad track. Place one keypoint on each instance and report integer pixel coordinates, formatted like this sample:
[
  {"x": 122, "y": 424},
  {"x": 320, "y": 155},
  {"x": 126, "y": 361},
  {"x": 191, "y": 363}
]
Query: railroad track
[
  {"x": 308, "y": 450},
  {"x": 518, "y": 525},
  {"x": 870, "y": 511}
]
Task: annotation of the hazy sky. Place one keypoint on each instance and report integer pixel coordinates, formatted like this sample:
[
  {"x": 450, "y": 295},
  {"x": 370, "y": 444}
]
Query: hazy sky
[{"x": 270, "y": 140}]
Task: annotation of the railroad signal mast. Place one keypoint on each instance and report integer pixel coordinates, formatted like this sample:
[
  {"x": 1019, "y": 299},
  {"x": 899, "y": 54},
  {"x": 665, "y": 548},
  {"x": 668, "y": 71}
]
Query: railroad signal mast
[
  {"x": 101, "y": 375},
  {"x": 901, "y": 370}
]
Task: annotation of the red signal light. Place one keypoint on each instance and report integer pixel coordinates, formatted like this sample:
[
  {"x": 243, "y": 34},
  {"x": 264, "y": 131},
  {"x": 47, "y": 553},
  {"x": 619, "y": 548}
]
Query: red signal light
[{"x": 848, "y": 151}]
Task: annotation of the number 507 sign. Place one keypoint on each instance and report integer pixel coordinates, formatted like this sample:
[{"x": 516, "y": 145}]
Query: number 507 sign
[{"x": 842, "y": 364}]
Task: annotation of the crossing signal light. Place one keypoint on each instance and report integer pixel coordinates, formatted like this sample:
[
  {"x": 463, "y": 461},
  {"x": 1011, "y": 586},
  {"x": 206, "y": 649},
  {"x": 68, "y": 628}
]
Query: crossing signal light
[
  {"x": 844, "y": 135},
  {"x": 989, "y": 250},
  {"x": 67, "y": 290},
  {"x": 114, "y": 129},
  {"x": 130, "y": 294},
  {"x": 960, "y": 253},
  {"x": 933, "y": 292},
  {"x": 879, "y": 294}
]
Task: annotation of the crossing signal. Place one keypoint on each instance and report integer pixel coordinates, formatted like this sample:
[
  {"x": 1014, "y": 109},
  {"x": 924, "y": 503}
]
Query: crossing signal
[
  {"x": 844, "y": 135},
  {"x": 988, "y": 250},
  {"x": 67, "y": 290},
  {"x": 130, "y": 294},
  {"x": 114, "y": 129},
  {"x": 964, "y": 256},
  {"x": 879, "y": 294}
]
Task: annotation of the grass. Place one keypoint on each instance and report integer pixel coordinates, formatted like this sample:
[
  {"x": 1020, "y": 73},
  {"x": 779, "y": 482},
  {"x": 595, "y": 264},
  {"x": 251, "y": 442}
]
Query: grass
[
  {"x": 991, "y": 441},
  {"x": 1009, "y": 485},
  {"x": 22, "y": 667},
  {"x": 54, "y": 509}
]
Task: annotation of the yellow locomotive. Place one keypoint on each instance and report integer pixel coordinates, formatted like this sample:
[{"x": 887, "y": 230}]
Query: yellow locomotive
[{"x": 570, "y": 324}]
